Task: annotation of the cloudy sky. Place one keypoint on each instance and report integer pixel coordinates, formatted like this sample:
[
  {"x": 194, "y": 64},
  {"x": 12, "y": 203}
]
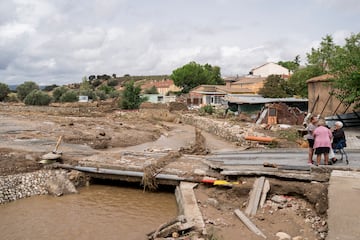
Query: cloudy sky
[{"x": 60, "y": 41}]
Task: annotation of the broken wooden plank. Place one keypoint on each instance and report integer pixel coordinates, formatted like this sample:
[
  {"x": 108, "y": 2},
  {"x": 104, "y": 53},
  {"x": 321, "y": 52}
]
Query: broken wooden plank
[
  {"x": 255, "y": 195},
  {"x": 248, "y": 223},
  {"x": 265, "y": 190}
]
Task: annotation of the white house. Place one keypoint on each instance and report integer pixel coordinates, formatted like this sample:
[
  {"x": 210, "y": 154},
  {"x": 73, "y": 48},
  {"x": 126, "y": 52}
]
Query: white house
[{"x": 270, "y": 69}]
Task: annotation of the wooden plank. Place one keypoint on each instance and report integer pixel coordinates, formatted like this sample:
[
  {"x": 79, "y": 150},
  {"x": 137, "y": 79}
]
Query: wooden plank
[
  {"x": 255, "y": 195},
  {"x": 265, "y": 190}
]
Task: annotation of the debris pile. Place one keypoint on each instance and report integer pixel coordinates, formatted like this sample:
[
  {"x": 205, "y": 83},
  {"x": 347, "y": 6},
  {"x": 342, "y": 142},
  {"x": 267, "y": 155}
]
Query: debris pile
[
  {"x": 199, "y": 147},
  {"x": 150, "y": 171},
  {"x": 282, "y": 113}
]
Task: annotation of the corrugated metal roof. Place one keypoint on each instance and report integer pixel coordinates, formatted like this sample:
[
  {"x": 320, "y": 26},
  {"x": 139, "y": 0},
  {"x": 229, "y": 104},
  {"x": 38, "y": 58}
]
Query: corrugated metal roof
[{"x": 256, "y": 99}]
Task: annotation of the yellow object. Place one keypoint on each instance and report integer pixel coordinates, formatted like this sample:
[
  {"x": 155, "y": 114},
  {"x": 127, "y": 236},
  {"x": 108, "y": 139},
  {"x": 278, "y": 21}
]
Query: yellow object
[{"x": 226, "y": 183}]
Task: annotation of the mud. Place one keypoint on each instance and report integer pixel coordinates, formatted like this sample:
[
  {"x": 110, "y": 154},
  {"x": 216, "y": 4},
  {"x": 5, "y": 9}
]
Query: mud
[{"x": 98, "y": 132}]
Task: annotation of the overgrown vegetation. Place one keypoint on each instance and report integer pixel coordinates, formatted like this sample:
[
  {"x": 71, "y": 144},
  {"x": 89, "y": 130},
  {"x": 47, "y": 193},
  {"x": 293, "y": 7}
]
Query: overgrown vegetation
[
  {"x": 4, "y": 91},
  {"x": 131, "y": 98},
  {"x": 207, "y": 109},
  {"x": 37, "y": 97},
  {"x": 24, "y": 89},
  {"x": 291, "y": 135}
]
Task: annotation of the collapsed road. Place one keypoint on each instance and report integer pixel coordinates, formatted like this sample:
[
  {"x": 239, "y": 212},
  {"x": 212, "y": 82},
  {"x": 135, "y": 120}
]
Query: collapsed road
[{"x": 131, "y": 141}]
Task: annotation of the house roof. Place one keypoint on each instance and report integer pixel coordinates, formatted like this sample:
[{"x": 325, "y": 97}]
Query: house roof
[
  {"x": 257, "y": 99},
  {"x": 234, "y": 89},
  {"x": 321, "y": 78},
  {"x": 267, "y": 64},
  {"x": 220, "y": 89},
  {"x": 249, "y": 80},
  {"x": 208, "y": 89}
]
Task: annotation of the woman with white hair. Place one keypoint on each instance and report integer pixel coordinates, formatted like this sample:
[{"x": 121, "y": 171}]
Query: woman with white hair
[{"x": 339, "y": 140}]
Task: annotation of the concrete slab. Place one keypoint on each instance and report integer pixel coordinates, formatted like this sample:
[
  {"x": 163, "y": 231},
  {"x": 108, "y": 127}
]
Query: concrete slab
[
  {"x": 344, "y": 207},
  {"x": 188, "y": 206},
  {"x": 352, "y": 138}
]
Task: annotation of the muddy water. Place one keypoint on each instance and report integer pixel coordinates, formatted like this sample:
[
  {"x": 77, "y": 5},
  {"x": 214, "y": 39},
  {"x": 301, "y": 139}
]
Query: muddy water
[{"x": 98, "y": 212}]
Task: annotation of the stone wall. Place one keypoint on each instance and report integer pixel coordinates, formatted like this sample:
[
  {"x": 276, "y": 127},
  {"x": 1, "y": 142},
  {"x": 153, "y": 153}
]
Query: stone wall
[
  {"x": 224, "y": 129},
  {"x": 56, "y": 182}
]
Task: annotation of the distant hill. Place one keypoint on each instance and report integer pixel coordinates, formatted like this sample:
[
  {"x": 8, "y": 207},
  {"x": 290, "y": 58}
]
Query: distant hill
[
  {"x": 120, "y": 80},
  {"x": 13, "y": 87}
]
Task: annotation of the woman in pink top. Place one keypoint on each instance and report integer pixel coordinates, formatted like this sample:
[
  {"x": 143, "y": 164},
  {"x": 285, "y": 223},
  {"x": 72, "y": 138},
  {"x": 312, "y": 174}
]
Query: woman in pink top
[{"x": 322, "y": 142}]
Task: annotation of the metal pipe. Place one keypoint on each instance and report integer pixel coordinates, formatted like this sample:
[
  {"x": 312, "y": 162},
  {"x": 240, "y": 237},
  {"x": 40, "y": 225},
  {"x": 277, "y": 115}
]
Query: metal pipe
[{"x": 124, "y": 173}]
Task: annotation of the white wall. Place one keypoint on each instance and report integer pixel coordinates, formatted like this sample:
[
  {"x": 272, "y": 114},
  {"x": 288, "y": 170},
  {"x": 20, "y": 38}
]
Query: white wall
[{"x": 269, "y": 69}]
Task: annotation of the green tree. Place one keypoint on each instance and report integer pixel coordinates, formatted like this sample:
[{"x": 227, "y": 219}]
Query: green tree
[
  {"x": 322, "y": 56},
  {"x": 58, "y": 92},
  {"x": 274, "y": 87},
  {"x": 85, "y": 84},
  {"x": 297, "y": 83},
  {"x": 69, "y": 96},
  {"x": 37, "y": 97},
  {"x": 4, "y": 91},
  {"x": 131, "y": 98},
  {"x": 152, "y": 90},
  {"x": 24, "y": 89},
  {"x": 345, "y": 67},
  {"x": 291, "y": 65},
  {"x": 193, "y": 74}
]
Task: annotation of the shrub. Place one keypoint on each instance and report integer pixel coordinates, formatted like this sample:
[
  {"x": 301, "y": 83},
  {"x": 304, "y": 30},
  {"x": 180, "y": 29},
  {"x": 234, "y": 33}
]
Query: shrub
[
  {"x": 69, "y": 96},
  {"x": 4, "y": 91},
  {"x": 12, "y": 97},
  {"x": 114, "y": 94},
  {"x": 113, "y": 82},
  {"x": 106, "y": 89},
  {"x": 206, "y": 109},
  {"x": 58, "y": 92},
  {"x": 88, "y": 92},
  {"x": 101, "y": 94},
  {"x": 37, "y": 97},
  {"x": 24, "y": 89}
]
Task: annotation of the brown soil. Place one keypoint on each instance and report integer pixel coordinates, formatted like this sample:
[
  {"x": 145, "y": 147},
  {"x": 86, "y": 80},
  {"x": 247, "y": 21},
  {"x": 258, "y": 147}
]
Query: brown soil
[{"x": 27, "y": 133}]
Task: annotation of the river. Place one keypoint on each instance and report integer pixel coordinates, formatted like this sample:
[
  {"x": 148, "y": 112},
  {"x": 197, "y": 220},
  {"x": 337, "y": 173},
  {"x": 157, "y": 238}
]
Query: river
[{"x": 97, "y": 212}]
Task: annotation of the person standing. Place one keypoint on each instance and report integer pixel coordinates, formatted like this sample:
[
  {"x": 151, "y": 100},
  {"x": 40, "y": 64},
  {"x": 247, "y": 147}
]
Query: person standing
[
  {"x": 339, "y": 139},
  {"x": 322, "y": 142},
  {"x": 310, "y": 138}
]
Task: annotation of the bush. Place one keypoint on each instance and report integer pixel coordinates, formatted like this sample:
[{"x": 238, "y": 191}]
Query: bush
[
  {"x": 106, "y": 89},
  {"x": 69, "y": 96},
  {"x": 101, "y": 94},
  {"x": 12, "y": 97},
  {"x": 114, "y": 94},
  {"x": 4, "y": 91},
  {"x": 206, "y": 109},
  {"x": 37, "y": 97},
  {"x": 58, "y": 92},
  {"x": 113, "y": 82},
  {"x": 26, "y": 88},
  {"x": 88, "y": 92}
]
